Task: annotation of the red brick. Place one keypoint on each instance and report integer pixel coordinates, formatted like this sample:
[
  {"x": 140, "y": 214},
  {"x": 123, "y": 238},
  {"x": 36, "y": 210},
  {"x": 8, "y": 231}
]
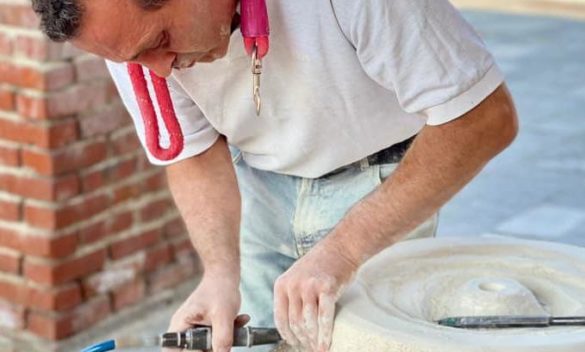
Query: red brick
[
  {"x": 55, "y": 299},
  {"x": 91, "y": 313},
  {"x": 93, "y": 180},
  {"x": 53, "y": 218},
  {"x": 18, "y": 15},
  {"x": 90, "y": 67},
  {"x": 173, "y": 275},
  {"x": 43, "y": 217},
  {"x": 10, "y": 238},
  {"x": 121, "y": 222},
  {"x": 155, "y": 210},
  {"x": 47, "y": 189},
  {"x": 6, "y": 44},
  {"x": 36, "y": 46},
  {"x": 114, "y": 276},
  {"x": 71, "y": 158},
  {"x": 14, "y": 291},
  {"x": 112, "y": 92},
  {"x": 51, "y": 274},
  {"x": 10, "y": 210},
  {"x": 144, "y": 164},
  {"x": 155, "y": 182},
  {"x": 174, "y": 228},
  {"x": 13, "y": 317},
  {"x": 125, "y": 142},
  {"x": 93, "y": 233},
  {"x": 9, "y": 156},
  {"x": 126, "y": 192},
  {"x": 10, "y": 73},
  {"x": 122, "y": 170},
  {"x": 46, "y": 78},
  {"x": 7, "y": 101},
  {"x": 66, "y": 102},
  {"x": 60, "y": 326},
  {"x": 16, "y": 131},
  {"x": 49, "y": 326},
  {"x": 42, "y": 135},
  {"x": 10, "y": 261},
  {"x": 128, "y": 294},
  {"x": 183, "y": 247},
  {"x": 44, "y": 246},
  {"x": 106, "y": 120},
  {"x": 133, "y": 244},
  {"x": 60, "y": 134},
  {"x": 80, "y": 211},
  {"x": 157, "y": 257}
]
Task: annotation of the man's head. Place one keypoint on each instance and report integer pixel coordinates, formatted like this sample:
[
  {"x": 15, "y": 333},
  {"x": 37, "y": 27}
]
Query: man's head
[{"x": 159, "y": 34}]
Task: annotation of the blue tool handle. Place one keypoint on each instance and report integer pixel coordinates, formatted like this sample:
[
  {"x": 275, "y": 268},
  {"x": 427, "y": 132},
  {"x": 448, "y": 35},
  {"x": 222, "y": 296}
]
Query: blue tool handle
[{"x": 101, "y": 347}]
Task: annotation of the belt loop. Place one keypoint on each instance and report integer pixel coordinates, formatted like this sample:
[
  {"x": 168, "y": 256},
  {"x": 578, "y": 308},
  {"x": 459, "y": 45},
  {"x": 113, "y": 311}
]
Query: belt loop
[{"x": 364, "y": 164}]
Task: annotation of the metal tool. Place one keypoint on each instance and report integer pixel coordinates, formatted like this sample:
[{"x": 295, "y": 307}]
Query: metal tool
[
  {"x": 498, "y": 322},
  {"x": 255, "y": 31},
  {"x": 256, "y": 72},
  {"x": 198, "y": 338}
]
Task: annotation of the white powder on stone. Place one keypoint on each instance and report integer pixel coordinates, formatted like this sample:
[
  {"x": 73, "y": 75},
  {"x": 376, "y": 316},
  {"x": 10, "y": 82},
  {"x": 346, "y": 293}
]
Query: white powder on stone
[{"x": 400, "y": 294}]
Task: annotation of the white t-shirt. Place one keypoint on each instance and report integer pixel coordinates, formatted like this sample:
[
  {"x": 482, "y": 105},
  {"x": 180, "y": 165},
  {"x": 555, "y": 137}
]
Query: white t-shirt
[{"x": 343, "y": 79}]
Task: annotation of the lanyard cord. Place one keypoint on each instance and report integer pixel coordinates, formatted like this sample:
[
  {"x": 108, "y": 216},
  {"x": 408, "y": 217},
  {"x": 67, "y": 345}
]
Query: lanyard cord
[
  {"x": 255, "y": 31},
  {"x": 147, "y": 110}
]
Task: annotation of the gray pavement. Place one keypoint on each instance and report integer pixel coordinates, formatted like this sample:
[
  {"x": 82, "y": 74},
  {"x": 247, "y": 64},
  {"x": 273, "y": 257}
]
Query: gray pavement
[{"x": 536, "y": 189}]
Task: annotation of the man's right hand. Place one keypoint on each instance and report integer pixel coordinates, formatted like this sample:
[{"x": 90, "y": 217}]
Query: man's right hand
[{"x": 215, "y": 303}]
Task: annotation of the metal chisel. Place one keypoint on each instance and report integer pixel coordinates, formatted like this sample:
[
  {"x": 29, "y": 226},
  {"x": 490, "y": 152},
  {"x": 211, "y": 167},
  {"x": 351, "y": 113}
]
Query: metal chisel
[
  {"x": 503, "y": 321},
  {"x": 198, "y": 338}
]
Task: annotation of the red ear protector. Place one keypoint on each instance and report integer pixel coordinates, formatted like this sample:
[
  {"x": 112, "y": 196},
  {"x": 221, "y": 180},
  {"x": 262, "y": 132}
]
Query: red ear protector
[{"x": 255, "y": 30}]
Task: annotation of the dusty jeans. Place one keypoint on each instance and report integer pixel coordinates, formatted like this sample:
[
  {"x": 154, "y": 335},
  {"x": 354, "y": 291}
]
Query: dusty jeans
[{"x": 283, "y": 217}]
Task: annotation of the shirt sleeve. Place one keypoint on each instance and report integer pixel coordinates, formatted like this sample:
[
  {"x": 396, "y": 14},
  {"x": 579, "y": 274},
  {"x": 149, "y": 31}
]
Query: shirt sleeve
[
  {"x": 198, "y": 133},
  {"x": 424, "y": 51}
]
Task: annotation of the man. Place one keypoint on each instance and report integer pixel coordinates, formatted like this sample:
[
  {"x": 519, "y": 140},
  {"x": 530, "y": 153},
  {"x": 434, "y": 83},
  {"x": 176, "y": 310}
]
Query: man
[{"x": 346, "y": 86}]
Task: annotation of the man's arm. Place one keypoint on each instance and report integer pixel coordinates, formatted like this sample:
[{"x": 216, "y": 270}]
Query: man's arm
[
  {"x": 206, "y": 192},
  {"x": 440, "y": 162}
]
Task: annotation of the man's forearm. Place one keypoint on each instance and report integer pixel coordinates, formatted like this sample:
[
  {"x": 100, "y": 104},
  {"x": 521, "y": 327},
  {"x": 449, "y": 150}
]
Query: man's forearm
[
  {"x": 206, "y": 192},
  {"x": 440, "y": 162}
]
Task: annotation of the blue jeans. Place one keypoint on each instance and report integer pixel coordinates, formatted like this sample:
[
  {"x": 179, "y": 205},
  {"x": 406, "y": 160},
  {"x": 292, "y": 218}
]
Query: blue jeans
[{"x": 283, "y": 217}]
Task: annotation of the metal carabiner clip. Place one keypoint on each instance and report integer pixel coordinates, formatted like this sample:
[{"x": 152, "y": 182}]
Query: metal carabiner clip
[
  {"x": 255, "y": 31},
  {"x": 256, "y": 72}
]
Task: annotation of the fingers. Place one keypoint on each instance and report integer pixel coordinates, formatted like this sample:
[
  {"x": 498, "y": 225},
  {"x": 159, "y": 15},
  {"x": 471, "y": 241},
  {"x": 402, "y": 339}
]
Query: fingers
[
  {"x": 281, "y": 312},
  {"x": 185, "y": 318},
  {"x": 223, "y": 332},
  {"x": 326, "y": 317},
  {"x": 296, "y": 321},
  {"x": 310, "y": 321},
  {"x": 305, "y": 316},
  {"x": 242, "y": 320}
]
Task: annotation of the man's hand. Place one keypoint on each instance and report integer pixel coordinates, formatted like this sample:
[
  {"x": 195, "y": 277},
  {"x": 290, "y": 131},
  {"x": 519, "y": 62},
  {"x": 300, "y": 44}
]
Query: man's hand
[
  {"x": 207, "y": 195},
  {"x": 215, "y": 303},
  {"x": 305, "y": 296}
]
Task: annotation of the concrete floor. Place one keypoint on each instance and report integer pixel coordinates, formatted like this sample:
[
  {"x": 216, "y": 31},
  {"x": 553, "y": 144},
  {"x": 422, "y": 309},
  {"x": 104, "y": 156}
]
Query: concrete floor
[{"x": 536, "y": 189}]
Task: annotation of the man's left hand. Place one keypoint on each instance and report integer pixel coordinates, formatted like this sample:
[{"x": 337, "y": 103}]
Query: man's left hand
[{"x": 305, "y": 296}]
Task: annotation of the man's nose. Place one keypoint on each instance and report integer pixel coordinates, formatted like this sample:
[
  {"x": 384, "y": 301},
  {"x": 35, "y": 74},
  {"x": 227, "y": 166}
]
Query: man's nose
[{"x": 160, "y": 62}]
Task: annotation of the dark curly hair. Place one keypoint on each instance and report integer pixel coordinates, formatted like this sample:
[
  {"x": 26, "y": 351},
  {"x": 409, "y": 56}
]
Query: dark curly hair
[{"x": 60, "y": 19}]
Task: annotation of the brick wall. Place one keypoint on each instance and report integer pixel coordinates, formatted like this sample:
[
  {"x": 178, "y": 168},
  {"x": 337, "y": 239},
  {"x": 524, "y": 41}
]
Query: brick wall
[{"x": 87, "y": 227}]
